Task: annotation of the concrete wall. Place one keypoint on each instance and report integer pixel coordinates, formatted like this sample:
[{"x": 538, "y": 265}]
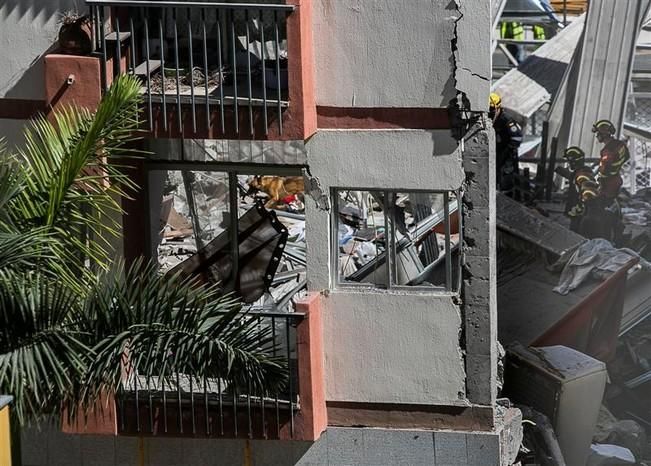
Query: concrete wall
[
  {"x": 28, "y": 28},
  {"x": 384, "y": 347},
  {"x": 336, "y": 447},
  {"x": 12, "y": 132},
  {"x": 388, "y": 53}
]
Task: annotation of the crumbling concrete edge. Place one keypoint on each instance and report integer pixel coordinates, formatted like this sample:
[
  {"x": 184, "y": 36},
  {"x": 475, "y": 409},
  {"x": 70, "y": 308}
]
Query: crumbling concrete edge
[
  {"x": 314, "y": 191},
  {"x": 479, "y": 294}
]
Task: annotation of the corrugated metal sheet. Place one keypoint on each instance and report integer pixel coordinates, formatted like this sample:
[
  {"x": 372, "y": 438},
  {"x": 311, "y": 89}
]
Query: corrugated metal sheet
[
  {"x": 527, "y": 88},
  {"x": 598, "y": 85},
  {"x": 527, "y": 224}
]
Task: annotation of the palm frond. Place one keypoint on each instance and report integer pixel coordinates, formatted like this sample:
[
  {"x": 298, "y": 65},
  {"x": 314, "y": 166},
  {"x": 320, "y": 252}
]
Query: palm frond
[
  {"x": 167, "y": 326},
  {"x": 42, "y": 353},
  {"x": 70, "y": 184}
]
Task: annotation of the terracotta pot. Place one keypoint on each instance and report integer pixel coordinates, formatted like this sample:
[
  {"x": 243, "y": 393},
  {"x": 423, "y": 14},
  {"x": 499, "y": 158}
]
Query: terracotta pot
[{"x": 75, "y": 37}]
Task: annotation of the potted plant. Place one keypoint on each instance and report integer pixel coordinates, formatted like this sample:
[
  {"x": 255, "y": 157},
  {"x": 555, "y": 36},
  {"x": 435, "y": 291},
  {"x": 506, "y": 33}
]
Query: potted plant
[{"x": 75, "y": 34}]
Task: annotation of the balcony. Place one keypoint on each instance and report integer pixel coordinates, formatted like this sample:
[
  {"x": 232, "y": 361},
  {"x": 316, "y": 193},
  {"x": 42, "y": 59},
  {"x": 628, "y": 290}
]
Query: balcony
[
  {"x": 185, "y": 406},
  {"x": 211, "y": 70},
  {"x": 208, "y": 407}
]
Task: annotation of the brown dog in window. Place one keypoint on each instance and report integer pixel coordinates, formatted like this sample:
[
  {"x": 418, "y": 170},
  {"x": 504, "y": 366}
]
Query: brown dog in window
[{"x": 278, "y": 188}]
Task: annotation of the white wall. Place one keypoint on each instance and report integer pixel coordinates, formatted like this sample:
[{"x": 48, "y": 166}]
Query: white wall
[
  {"x": 390, "y": 53},
  {"x": 28, "y": 28},
  {"x": 384, "y": 346}
]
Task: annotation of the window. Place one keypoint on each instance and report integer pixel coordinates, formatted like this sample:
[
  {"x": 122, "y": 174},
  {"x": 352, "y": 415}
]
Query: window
[
  {"x": 394, "y": 239},
  {"x": 261, "y": 259}
]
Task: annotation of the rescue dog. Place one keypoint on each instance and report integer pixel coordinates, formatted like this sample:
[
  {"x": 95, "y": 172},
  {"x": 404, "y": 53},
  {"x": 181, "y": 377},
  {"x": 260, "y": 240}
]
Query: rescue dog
[{"x": 277, "y": 188}]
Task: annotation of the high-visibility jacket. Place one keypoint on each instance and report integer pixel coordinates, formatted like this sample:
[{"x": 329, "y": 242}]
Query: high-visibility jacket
[
  {"x": 612, "y": 157},
  {"x": 538, "y": 32},
  {"x": 512, "y": 30}
]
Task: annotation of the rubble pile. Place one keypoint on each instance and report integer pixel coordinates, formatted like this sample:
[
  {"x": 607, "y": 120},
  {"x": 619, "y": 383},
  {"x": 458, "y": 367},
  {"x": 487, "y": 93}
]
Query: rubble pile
[{"x": 195, "y": 211}]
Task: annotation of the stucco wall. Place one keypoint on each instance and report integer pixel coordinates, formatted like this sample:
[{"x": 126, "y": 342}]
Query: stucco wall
[
  {"x": 28, "y": 28},
  {"x": 384, "y": 347},
  {"x": 12, "y": 132},
  {"x": 336, "y": 447},
  {"x": 388, "y": 53}
]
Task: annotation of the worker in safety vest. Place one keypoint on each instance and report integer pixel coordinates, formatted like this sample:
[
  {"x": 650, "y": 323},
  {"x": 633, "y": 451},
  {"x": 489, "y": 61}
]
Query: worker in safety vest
[
  {"x": 612, "y": 158},
  {"x": 508, "y": 137},
  {"x": 581, "y": 186},
  {"x": 513, "y": 30}
]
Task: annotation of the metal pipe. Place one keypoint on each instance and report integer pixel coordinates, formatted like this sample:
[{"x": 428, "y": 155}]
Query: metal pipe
[
  {"x": 234, "y": 71},
  {"x": 132, "y": 33},
  {"x": 180, "y": 403},
  {"x": 117, "y": 66},
  {"x": 279, "y": 94},
  {"x": 291, "y": 388},
  {"x": 179, "y": 110},
  {"x": 264, "y": 75},
  {"x": 193, "y": 4},
  {"x": 220, "y": 70},
  {"x": 248, "y": 70},
  {"x": 162, "y": 67},
  {"x": 148, "y": 70},
  {"x": 104, "y": 61},
  {"x": 205, "y": 65},
  {"x": 194, "y": 110}
]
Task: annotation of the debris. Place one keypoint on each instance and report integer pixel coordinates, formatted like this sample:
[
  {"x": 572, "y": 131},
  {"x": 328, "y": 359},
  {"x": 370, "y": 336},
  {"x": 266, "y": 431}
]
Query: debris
[
  {"x": 565, "y": 385},
  {"x": 626, "y": 433},
  {"x": 609, "y": 455},
  {"x": 596, "y": 257}
]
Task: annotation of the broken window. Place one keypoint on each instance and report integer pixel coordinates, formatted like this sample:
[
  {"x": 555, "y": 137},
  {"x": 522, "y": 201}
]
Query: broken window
[
  {"x": 392, "y": 239},
  {"x": 261, "y": 259}
]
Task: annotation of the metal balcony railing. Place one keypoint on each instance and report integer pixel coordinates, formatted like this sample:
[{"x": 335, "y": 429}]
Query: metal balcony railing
[
  {"x": 183, "y": 405},
  {"x": 201, "y": 63}
]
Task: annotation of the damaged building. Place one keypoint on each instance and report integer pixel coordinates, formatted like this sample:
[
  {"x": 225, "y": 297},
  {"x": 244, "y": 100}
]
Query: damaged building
[{"x": 329, "y": 163}]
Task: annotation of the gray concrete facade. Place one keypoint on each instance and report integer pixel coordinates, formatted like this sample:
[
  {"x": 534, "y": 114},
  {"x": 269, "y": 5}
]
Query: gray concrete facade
[
  {"x": 416, "y": 53},
  {"x": 336, "y": 447},
  {"x": 384, "y": 346}
]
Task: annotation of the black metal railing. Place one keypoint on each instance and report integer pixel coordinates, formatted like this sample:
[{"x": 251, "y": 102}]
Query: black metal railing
[
  {"x": 183, "y": 405},
  {"x": 218, "y": 65}
]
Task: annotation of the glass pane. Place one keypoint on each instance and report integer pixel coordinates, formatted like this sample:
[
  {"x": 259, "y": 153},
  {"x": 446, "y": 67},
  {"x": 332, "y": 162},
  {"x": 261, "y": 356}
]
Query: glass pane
[
  {"x": 188, "y": 209},
  {"x": 361, "y": 237},
  {"x": 425, "y": 240}
]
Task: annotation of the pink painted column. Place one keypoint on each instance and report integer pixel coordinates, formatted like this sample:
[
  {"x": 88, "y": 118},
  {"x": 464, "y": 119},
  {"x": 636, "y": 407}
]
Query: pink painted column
[{"x": 312, "y": 419}]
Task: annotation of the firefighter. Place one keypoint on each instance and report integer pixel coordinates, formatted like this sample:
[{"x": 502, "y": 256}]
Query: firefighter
[
  {"x": 508, "y": 137},
  {"x": 612, "y": 158},
  {"x": 580, "y": 190}
]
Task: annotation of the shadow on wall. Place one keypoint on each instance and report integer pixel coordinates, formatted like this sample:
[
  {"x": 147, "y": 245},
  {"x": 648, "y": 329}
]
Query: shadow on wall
[{"x": 40, "y": 17}]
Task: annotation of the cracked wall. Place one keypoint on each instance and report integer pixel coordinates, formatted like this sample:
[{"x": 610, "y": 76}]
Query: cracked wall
[
  {"x": 384, "y": 346},
  {"x": 389, "y": 346},
  {"x": 388, "y": 53}
]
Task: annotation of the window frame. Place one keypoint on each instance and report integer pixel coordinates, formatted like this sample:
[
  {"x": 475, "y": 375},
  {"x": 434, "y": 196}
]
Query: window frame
[{"x": 451, "y": 287}]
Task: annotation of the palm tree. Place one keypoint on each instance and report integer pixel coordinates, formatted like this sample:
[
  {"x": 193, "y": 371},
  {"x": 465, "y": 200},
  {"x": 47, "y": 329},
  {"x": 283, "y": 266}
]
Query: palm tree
[{"x": 70, "y": 316}]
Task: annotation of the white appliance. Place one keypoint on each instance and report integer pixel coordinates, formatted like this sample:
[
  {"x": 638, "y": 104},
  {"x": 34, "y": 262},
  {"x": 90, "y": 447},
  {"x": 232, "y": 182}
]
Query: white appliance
[{"x": 565, "y": 385}]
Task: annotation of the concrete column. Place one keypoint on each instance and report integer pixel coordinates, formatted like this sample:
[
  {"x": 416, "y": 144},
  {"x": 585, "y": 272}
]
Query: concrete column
[{"x": 480, "y": 273}]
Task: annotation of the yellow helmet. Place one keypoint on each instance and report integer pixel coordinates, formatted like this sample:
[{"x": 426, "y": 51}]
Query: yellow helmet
[
  {"x": 573, "y": 153},
  {"x": 604, "y": 127},
  {"x": 495, "y": 101}
]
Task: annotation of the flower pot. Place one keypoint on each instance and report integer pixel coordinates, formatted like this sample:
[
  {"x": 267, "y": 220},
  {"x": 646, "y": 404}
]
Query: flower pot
[{"x": 75, "y": 36}]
